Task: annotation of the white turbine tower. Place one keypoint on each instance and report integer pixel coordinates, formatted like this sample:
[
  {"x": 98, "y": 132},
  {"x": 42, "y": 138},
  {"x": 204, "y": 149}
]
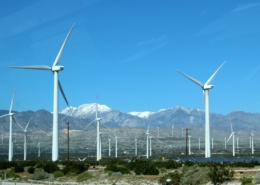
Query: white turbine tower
[
  {"x": 189, "y": 144},
  {"x": 57, "y": 85},
  {"x": 98, "y": 120},
  {"x": 232, "y": 134},
  {"x": 206, "y": 87},
  {"x": 25, "y": 137},
  {"x": 10, "y": 114},
  {"x": 109, "y": 147},
  {"x": 39, "y": 149},
  {"x": 115, "y": 143},
  {"x": 172, "y": 129},
  {"x": 147, "y": 143},
  {"x": 150, "y": 145},
  {"x": 135, "y": 146},
  {"x": 252, "y": 143}
]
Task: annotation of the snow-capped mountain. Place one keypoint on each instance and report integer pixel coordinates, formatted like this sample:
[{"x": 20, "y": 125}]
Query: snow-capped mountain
[
  {"x": 85, "y": 110},
  {"x": 144, "y": 114},
  {"x": 178, "y": 116}
]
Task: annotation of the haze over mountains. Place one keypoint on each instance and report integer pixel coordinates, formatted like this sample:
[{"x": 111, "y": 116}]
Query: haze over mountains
[{"x": 80, "y": 117}]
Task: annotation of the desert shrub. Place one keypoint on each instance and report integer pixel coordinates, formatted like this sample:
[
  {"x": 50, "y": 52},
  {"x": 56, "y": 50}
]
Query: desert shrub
[
  {"x": 31, "y": 170},
  {"x": 9, "y": 175},
  {"x": 168, "y": 165},
  {"x": 256, "y": 178},
  {"x": 117, "y": 168},
  {"x": 145, "y": 168},
  {"x": 57, "y": 174},
  {"x": 84, "y": 177},
  {"x": 39, "y": 174},
  {"x": 75, "y": 168},
  {"x": 220, "y": 174},
  {"x": 51, "y": 167},
  {"x": 175, "y": 178},
  {"x": 245, "y": 180},
  {"x": 18, "y": 168},
  {"x": 195, "y": 175}
]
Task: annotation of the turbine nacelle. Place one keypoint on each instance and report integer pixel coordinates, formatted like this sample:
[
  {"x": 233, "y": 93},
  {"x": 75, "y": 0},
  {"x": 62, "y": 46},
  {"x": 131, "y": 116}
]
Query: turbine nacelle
[
  {"x": 99, "y": 119},
  {"x": 57, "y": 68},
  {"x": 206, "y": 87}
]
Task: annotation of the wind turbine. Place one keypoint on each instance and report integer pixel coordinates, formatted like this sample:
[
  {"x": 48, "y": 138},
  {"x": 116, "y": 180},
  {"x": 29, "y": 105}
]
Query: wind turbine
[
  {"x": 252, "y": 143},
  {"x": 57, "y": 85},
  {"x": 98, "y": 120},
  {"x": 206, "y": 87},
  {"x": 115, "y": 144},
  {"x": 39, "y": 149},
  {"x": 150, "y": 145},
  {"x": 147, "y": 143},
  {"x": 189, "y": 145},
  {"x": 25, "y": 138},
  {"x": 109, "y": 147},
  {"x": 172, "y": 129},
  {"x": 10, "y": 114},
  {"x": 232, "y": 134}
]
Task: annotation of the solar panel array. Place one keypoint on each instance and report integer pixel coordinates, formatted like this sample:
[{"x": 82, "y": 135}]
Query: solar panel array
[{"x": 219, "y": 159}]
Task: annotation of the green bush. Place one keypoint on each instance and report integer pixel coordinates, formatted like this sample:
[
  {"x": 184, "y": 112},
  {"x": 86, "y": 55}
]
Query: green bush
[
  {"x": 220, "y": 174},
  {"x": 18, "y": 169},
  {"x": 31, "y": 170},
  {"x": 75, "y": 168},
  {"x": 51, "y": 167},
  {"x": 195, "y": 175},
  {"x": 57, "y": 174},
  {"x": 245, "y": 180},
  {"x": 175, "y": 178},
  {"x": 146, "y": 168},
  {"x": 39, "y": 174}
]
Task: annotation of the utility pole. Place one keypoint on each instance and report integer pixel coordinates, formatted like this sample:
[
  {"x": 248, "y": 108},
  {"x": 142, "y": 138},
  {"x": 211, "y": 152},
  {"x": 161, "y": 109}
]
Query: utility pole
[{"x": 68, "y": 142}]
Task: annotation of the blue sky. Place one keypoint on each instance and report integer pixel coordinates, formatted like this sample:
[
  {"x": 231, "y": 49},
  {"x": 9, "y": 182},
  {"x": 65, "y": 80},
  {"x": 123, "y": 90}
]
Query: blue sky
[{"x": 127, "y": 53}]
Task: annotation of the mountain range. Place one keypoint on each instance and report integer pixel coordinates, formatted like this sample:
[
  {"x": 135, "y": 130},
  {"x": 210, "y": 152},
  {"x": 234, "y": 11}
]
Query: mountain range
[{"x": 80, "y": 117}]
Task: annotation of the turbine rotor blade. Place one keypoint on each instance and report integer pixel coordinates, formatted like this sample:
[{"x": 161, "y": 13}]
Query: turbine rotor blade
[
  {"x": 230, "y": 124},
  {"x": 28, "y": 123},
  {"x": 214, "y": 74},
  {"x": 230, "y": 137},
  {"x": 32, "y": 67},
  {"x": 192, "y": 79},
  {"x": 4, "y": 115},
  {"x": 12, "y": 102},
  {"x": 89, "y": 124},
  {"x": 57, "y": 60},
  {"x": 63, "y": 94},
  {"x": 18, "y": 123}
]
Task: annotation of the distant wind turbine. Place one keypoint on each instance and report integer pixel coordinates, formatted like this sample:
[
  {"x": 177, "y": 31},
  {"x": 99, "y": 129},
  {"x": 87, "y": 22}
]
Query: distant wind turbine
[
  {"x": 98, "y": 121},
  {"x": 57, "y": 85},
  {"x": 10, "y": 114},
  {"x": 206, "y": 87},
  {"x": 39, "y": 149},
  {"x": 252, "y": 143},
  {"x": 172, "y": 129},
  {"x": 25, "y": 138},
  {"x": 189, "y": 145},
  {"x": 147, "y": 143},
  {"x": 232, "y": 134},
  {"x": 150, "y": 145}
]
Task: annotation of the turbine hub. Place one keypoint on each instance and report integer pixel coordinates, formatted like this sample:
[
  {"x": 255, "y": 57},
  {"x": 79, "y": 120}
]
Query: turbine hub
[
  {"x": 57, "y": 68},
  {"x": 206, "y": 87},
  {"x": 99, "y": 119}
]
